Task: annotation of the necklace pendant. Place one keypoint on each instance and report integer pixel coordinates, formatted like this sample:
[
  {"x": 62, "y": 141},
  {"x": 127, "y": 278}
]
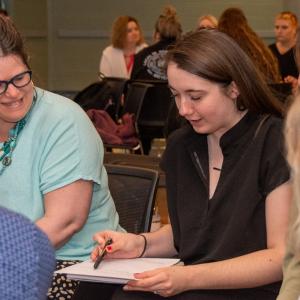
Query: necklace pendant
[{"x": 6, "y": 161}]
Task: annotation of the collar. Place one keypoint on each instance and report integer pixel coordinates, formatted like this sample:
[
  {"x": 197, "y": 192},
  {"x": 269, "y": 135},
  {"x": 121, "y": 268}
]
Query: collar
[{"x": 231, "y": 138}]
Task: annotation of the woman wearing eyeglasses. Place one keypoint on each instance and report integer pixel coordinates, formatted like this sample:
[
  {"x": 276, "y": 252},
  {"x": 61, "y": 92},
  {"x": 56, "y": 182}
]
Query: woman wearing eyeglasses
[{"x": 51, "y": 161}]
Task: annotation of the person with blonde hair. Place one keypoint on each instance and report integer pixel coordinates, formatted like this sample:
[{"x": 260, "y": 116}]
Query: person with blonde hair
[
  {"x": 234, "y": 23},
  {"x": 286, "y": 24},
  {"x": 126, "y": 40},
  {"x": 290, "y": 289},
  {"x": 207, "y": 21}
]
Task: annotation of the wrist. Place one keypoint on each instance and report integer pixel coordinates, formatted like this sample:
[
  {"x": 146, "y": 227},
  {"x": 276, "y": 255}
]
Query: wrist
[{"x": 144, "y": 245}]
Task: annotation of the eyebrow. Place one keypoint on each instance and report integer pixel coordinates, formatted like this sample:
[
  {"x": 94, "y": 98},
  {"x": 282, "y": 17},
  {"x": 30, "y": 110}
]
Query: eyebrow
[{"x": 188, "y": 90}]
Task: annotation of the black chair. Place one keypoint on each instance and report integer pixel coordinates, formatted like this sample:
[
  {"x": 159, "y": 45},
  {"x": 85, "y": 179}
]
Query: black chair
[
  {"x": 132, "y": 105},
  {"x": 105, "y": 94},
  {"x": 154, "y": 112},
  {"x": 133, "y": 190},
  {"x": 117, "y": 86},
  {"x": 66, "y": 93}
]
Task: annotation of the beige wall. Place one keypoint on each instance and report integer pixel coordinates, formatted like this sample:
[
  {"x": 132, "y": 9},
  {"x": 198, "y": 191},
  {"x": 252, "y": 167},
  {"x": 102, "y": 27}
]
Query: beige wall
[{"x": 65, "y": 37}]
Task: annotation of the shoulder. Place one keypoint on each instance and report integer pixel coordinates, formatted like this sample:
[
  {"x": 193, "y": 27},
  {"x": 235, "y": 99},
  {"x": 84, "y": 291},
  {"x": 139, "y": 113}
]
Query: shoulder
[
  {"x": 274, "y": 124},
  {"x": 110, "y": 50},
  {"x": 269, "y": 131},
  {"x": 140, "y": 47},
  {"x": 52, "y": 110},
  {"x": 56, "y": 104}
]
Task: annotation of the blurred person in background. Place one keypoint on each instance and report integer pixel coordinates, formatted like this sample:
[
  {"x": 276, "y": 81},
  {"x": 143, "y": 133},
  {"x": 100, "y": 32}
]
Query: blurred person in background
[
  {"x": 126, "y": 40},
  {"x": 286, "y": 24},
  {"x": 234, "y": 23},
  {"x": 207, "y": 21},
  {"x": 149, "y": 63}
]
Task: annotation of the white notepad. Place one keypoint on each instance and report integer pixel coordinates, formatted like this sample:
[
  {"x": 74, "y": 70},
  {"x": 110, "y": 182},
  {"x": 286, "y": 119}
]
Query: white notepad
[{"x": 117, "y": 271}]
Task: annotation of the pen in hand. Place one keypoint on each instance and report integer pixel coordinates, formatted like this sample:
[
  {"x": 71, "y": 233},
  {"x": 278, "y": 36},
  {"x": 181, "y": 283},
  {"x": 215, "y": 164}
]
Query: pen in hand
[{"x": 102, "y": 254}]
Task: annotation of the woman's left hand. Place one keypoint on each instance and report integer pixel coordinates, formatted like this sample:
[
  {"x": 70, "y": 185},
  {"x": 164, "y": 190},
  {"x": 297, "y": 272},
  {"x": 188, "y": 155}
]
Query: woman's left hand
[
  {"x": 293, "y": 81},
  {"x": 165, "y": 281}
]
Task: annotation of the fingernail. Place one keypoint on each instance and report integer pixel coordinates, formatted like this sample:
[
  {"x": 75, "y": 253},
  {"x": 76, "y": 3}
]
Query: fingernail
[{"x": 108, "y": 248}]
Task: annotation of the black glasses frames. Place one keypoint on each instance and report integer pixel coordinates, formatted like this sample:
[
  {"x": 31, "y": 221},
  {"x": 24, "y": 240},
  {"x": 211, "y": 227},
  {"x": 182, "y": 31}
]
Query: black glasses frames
[{"x": 18, "y": 81}]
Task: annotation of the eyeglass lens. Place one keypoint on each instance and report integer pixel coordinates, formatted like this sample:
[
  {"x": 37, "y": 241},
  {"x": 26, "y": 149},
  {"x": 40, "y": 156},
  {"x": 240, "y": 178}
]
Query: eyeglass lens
[{"x": 18, "y": 81}]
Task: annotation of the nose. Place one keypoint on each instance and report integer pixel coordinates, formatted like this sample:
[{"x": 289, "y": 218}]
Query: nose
[
  {"x": 12, "y": 91},
  {"x": 185, "y": 107},
  {"x": 299, "y": 81}
]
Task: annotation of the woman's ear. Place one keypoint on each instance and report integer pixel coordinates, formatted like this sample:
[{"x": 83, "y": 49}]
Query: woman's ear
[{"x": 233, "y": 91}]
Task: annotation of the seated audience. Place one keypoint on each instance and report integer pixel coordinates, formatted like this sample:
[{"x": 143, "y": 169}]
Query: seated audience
[
  {"x": 286, "y": 24},
  {"x": 126, "y": 40},
  {"x": 228, "y": 225},
  {"x": 51, "y": 161},
  {"x": 149, "y": 63},
  {"x": 290, "y": 289},
  {"x": 207, "y": 21},
  {"x": 234, "y": 23}
]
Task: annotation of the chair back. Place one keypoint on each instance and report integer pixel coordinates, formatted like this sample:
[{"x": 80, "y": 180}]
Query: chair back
[
  {"x": 117, "y": 88},
  {"x": 66, "y": 93},
  {"x": 134, "y": 98},
  {"x": 133, "y": 190},
  {"x": 105, "y": 94},
  {"x": 156, "y": 104},
  {"x": 26, "y": 258}
]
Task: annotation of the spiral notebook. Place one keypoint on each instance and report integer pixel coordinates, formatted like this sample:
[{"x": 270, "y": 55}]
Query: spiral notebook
[{"x": 117, "y": 271}]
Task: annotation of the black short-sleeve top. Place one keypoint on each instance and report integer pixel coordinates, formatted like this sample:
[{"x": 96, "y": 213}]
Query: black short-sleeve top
[
  {"x": 286, "y": 61},
  {"x": 232, "y": 222}
]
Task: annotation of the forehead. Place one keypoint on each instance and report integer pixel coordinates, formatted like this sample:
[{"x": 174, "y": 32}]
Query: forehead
[
  {"x": 11, "y": 63},
  {"x": 131, "y": 25},
  {"x": 283, "y": 22},
  {"x": 184, "y": 81},
  {"x": 206, "y": 22}
]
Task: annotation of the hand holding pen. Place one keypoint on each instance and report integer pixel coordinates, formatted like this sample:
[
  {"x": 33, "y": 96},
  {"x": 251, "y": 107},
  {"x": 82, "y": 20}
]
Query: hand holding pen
[{"x": 102, "y": 254}]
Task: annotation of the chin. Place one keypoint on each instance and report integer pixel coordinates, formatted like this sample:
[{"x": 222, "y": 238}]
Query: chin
[{"x": 200, "y": 130}]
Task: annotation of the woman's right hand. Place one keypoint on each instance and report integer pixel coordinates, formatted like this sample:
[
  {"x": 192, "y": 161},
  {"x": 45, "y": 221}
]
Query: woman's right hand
[{"x": 124, "y": 245}]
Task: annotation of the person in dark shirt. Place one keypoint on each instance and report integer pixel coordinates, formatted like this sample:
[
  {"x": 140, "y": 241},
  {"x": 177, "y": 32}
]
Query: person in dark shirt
[
  {"x": 149, "y": 65},
  {"x": 286, "y": 24},
  {"x": 227, "y": 182},
  {"x": 150, "y": 62}
]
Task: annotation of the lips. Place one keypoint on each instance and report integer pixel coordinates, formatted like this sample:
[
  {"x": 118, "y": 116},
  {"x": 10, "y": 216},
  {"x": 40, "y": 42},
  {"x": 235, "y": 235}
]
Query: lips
[
  {"x": 195, "y": 121},
  {"x": 13, "y": 104}
]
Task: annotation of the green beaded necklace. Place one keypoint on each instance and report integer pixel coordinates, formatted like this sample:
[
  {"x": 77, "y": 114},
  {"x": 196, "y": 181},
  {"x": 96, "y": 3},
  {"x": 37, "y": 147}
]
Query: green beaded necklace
[{"x": 8, "y": 146}]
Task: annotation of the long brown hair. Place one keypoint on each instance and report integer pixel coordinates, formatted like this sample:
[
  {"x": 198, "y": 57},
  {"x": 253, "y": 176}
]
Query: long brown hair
[
  {"x": 213, "y": 55},
  {"x": 234, "y": 23}
]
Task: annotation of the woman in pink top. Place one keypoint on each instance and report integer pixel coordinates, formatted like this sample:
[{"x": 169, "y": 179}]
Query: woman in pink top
[{"x": 127, "y": 39}]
